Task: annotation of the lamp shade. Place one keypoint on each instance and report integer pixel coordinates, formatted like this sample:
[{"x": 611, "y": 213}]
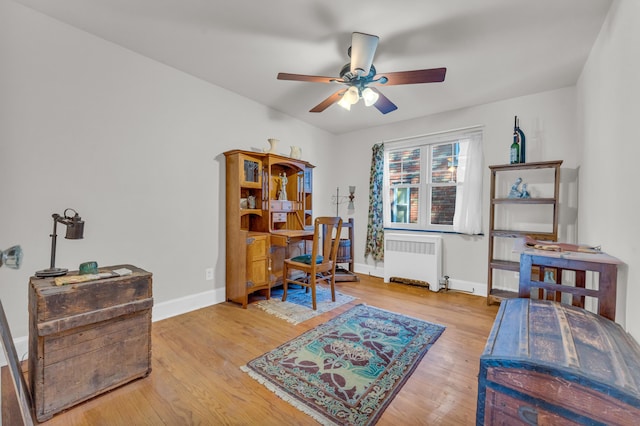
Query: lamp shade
[
  {"x": 352, "y": 95},
  {"x": 75, "y": 228},
  {"x": 369, "y": 96},
  {"x": 344, "y": 103}
]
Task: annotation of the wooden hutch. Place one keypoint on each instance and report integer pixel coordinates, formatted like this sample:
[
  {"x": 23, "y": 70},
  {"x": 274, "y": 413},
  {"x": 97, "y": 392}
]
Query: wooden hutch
[{"x": 269, "y": 218}]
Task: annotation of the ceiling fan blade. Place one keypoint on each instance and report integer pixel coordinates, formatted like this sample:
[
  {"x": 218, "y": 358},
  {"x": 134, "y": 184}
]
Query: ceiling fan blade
[
  {"x": 434, "y": 75},
  {"x": 311, "y": 78},
  {"x": 329, "y": 101},
  {"x": 363, "y": 47},
  {"x": 383, "y": 104}
]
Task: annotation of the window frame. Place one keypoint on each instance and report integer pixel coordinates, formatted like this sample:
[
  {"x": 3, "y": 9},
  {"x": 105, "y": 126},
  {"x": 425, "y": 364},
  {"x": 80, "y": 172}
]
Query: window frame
[{"x": 425, "y": 144}]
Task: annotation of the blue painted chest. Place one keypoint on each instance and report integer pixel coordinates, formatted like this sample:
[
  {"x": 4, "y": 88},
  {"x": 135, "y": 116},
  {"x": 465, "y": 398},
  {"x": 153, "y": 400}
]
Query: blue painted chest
[{"x": 551, "y": 363}]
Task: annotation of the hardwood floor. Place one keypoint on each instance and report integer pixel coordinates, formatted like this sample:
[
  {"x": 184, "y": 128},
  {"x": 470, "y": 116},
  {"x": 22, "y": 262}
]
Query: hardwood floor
[{"x": 196, "y": 377}]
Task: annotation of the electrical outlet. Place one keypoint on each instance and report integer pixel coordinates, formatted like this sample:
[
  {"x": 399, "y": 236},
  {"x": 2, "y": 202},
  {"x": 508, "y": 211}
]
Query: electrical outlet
[{"x": 208, "y": 274}]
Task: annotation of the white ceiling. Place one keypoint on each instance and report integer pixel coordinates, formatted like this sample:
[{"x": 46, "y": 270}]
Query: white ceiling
[{"x": 493, "y": 49}]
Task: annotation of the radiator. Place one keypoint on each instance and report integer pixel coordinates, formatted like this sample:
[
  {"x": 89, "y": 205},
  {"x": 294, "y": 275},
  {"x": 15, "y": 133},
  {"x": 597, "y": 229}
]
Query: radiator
[{"x": 413, "y": 257}]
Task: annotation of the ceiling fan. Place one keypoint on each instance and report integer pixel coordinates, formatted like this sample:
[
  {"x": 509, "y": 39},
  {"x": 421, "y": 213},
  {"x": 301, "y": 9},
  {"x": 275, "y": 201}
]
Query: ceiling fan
[{"x": 359, "y": 75}]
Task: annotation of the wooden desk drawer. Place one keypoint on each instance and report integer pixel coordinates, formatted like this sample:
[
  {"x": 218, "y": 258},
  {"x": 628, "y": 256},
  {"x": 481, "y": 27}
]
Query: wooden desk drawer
[
  {"x": 281, "y": 205},
  {"x": 279, "y": 217},
  {"x": 279, "y": 240}
]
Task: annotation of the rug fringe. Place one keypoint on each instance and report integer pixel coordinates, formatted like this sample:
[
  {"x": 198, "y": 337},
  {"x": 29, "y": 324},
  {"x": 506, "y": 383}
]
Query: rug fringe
[
  {"x": 295, "y": 313},
  {"x": 290, "y": 400},
  {"x": 280, "y": 315}
]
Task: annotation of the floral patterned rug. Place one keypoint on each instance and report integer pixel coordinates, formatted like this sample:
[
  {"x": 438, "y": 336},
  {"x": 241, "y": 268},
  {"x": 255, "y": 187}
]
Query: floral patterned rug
[
  {"x": 347, "y": 370},
  {"x": 297, "y": 308}
]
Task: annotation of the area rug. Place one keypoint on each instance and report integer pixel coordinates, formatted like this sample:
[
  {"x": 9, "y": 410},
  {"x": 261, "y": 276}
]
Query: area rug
[
  {"x": 298, "y": 308},
  {"x": 346, "y": 371}
]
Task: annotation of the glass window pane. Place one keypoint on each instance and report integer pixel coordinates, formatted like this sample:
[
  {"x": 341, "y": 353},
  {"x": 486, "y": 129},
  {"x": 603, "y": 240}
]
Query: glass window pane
[
  {"x": 412, "y": 172},
  {"x": 395, "y": 176},
  {"x": 404, "y": 166},
  {"x": 443, "y": 204},
  {"x": 404, "y": 205},
  {"x": 251, "y": 171},
  {"x": 444, "y": 162},
  {"x": 398, "y": 199},
  {"x": 414, "y": 205}
]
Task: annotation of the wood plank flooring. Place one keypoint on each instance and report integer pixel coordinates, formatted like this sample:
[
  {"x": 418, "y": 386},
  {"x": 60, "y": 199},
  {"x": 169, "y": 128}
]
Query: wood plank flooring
[{"x": 196, "y": 377}]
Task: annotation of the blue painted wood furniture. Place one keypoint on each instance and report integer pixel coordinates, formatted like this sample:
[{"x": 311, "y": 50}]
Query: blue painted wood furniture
[
  {"x": 600, "y": 293},
  {"x": 552, "y": 363}
]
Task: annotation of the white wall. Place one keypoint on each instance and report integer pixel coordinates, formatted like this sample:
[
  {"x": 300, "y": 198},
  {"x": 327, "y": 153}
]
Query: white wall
[
  {"x": 609, "y": 108},
  {"x": 133, "y": 145},
  {"x": 548, "y": 121}
]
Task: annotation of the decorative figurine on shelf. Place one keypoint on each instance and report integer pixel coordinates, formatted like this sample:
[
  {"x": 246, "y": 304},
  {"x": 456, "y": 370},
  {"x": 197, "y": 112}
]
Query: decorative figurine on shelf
[
  {"x": 516, "y": 192},
  {"x": 282, "y": 195},
  {"x": 251, "y": 202}
]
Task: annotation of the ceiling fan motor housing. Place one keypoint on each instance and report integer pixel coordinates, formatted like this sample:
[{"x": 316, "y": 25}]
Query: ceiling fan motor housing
[{"x": 349, "y": 77}]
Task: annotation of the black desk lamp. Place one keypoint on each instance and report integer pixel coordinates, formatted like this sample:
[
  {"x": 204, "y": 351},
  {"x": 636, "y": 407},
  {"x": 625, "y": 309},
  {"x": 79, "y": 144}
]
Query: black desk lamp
[{"x": 75, "y": 231}]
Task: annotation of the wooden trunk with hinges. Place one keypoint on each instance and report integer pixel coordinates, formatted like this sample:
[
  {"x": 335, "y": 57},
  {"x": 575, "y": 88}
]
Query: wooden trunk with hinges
[
  {"x": 87, "y": 338},
  {"x": 552, "y": 363}
]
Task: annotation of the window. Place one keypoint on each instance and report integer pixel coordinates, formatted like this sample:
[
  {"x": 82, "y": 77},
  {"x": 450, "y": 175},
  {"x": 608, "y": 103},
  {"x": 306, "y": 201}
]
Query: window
[{"x": 422, "y": 182}]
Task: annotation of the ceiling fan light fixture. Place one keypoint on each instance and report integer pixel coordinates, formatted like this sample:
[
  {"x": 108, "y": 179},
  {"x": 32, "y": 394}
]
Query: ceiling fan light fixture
[
  {"x": 369, "y": 96},
  {"x": 352, "y": 95},
  {"x": 344, "y": 103}
]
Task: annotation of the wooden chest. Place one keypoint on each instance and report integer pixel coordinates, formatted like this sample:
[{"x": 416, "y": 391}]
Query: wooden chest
[
  {"x": 87, "y": 338},
  {"x": 551, "y": 363}
]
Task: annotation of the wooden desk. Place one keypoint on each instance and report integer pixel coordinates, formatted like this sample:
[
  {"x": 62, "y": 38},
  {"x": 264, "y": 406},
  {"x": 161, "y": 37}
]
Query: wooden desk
[
  {"x": 286, "y": 243},
  {"x": 606, "y": 266}
]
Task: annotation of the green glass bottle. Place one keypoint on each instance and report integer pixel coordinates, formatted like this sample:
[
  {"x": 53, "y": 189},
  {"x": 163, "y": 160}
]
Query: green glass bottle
[{"x": 514, "y": 154}]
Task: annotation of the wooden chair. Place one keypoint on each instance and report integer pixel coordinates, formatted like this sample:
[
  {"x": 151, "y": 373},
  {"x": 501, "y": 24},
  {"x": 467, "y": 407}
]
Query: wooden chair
[{"x": 320, "y": 265}]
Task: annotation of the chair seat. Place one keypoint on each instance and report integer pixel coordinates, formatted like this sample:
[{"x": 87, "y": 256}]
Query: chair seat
[{"x": 306, "y": 258}]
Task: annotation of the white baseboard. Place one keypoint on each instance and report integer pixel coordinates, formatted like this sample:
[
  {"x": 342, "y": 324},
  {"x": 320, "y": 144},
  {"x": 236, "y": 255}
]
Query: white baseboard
[
  {"x": 477, "y": 289},
  {"x": 22, "y": 350},
  {"x": 373, "y": 270},
  {"x": 182, "y": 305}
]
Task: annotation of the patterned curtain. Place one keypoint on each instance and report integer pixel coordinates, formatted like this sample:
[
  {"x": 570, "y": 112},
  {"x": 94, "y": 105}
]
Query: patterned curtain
[{"x": 375, "y": 225}]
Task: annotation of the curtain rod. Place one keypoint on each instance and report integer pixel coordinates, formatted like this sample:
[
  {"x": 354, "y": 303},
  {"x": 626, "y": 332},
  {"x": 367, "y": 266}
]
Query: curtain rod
[{"x": 443, "y": 132}]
